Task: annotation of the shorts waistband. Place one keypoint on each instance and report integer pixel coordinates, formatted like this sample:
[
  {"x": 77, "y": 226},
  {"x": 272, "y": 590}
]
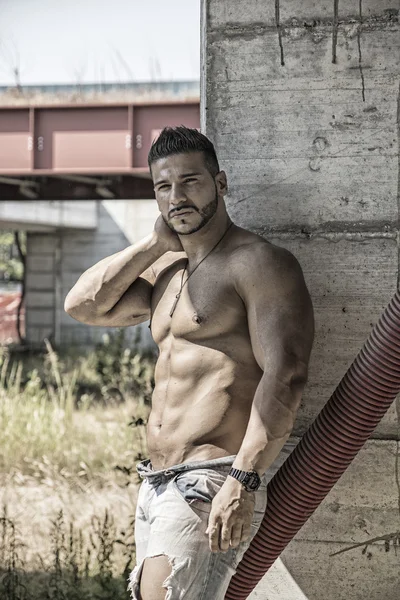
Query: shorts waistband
[{"x": 145, "y": 468}]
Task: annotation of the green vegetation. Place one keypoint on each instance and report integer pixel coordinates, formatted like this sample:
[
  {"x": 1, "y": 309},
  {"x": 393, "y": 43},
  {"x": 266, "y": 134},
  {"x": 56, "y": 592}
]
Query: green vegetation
[
  {"x": 75, "y": 423},
  {"x": 74, "y": 417},
  {"x": 11, "y": 266},
  {"x": 88, "y": 565}
]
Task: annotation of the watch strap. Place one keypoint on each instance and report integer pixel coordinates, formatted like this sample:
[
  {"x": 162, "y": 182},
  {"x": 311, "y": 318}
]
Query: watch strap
[{"x": 245, "y": 477}]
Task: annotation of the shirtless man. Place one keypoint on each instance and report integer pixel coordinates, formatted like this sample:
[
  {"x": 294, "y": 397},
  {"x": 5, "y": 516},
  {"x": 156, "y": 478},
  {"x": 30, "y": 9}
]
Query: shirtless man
[{"x": 233, "y": 321}]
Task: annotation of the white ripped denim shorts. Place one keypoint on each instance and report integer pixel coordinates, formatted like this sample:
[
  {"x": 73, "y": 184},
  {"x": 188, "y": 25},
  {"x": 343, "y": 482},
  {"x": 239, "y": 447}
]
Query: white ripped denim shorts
[{"x": 172, "y": 514}]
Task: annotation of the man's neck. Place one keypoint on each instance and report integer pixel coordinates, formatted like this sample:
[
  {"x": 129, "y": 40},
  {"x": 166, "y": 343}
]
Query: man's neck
[{"x": 198, "y": 244}]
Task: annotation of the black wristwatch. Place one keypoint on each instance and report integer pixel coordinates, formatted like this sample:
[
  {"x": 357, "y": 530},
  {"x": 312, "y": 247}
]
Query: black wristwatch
[{"x": 249, "y": 479}]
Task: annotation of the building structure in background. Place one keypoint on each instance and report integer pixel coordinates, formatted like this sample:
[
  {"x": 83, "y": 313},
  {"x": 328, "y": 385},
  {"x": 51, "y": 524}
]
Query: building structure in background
[
  {"x": 64, "y": 152},
  {"x": 80, "y": 148},
  {"x": 301, "y": 100},
  {"x": 64, "y": 238},
  {"x": 102, "y": 93}
]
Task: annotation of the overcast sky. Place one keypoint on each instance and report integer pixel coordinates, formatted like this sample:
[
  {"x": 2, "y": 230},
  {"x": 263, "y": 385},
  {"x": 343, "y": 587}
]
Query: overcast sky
[{"x": 66, "y": 41}]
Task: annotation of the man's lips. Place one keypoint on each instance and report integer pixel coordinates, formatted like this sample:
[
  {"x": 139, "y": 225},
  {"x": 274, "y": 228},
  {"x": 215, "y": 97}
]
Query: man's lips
[{"x": 179, "y": 213}]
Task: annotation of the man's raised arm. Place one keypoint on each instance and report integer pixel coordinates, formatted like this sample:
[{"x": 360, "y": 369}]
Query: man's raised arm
[{"x": 117, "y": 290}]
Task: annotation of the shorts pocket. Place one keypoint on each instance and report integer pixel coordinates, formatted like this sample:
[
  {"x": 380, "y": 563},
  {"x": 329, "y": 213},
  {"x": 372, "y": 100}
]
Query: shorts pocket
[{"x": 198, "y": 487}]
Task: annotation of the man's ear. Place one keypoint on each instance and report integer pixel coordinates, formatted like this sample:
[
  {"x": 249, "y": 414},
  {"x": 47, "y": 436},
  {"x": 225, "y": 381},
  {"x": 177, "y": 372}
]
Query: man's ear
[{"x": 221, "y": 182}]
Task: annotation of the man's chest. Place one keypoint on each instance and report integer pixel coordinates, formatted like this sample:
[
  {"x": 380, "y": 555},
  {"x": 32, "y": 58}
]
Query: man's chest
[{"x": 204, "y": 306}]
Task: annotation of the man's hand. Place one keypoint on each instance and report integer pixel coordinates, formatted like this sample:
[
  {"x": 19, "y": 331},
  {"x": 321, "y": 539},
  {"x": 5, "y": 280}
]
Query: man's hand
[
  {"x": 167, "y": 237},
  {"x": 231, "y": 515}
]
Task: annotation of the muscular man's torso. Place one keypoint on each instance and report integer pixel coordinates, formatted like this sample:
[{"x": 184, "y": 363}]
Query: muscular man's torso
[{"x": 206, "y": 374}]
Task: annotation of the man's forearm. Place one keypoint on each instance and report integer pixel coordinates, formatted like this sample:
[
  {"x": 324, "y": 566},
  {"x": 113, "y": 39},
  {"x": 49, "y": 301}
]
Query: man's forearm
[
  {"x": 270, "y": 425},
  {"x": 101, "y": 286}
]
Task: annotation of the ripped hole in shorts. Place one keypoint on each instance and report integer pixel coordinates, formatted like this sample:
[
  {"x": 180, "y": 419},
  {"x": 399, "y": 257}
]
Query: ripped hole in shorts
[
  {"x": 134, "y": 581},
  {"x": 175, "y": 587}
]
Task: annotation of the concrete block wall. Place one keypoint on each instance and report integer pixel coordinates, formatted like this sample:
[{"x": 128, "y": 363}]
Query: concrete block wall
[
  {"x": 302, "y": 100},
  {"x": 40, "y": 287}
]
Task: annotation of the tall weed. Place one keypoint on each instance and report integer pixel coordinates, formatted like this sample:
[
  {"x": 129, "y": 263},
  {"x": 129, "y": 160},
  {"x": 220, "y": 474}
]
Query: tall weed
[
  {"x": 72, "y": 416},
  {"x": 91, "y": 565}
]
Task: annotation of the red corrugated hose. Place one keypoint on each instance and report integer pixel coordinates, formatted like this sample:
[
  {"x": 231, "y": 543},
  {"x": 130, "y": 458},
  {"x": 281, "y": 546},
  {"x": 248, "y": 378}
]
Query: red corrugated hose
[{"x": 326, "y": 449}]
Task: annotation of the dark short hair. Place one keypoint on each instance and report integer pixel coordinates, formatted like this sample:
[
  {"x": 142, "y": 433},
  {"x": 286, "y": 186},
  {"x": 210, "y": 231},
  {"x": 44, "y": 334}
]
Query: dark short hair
[{"x": 180, "y": 140}]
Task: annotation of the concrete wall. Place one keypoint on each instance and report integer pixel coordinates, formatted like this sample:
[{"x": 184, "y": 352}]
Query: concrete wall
[
  {"x": 302, "y": 105},
  {"x": 46, "y": 215},
  {"x": 55, "y": 261},
  {"x": 135, "y": 218}
]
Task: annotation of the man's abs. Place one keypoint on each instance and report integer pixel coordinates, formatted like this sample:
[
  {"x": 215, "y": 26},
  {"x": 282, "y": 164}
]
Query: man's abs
[{"x": 201, "y": 404}]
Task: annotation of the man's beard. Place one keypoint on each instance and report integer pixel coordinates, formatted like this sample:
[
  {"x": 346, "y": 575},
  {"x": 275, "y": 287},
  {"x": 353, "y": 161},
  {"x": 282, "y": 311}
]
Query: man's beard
[{"x": 206, "y": 213}]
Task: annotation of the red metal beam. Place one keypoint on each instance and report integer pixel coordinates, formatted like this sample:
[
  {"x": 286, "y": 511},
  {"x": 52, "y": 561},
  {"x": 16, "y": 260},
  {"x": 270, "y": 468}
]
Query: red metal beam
[{"x": 90, "y": 139}]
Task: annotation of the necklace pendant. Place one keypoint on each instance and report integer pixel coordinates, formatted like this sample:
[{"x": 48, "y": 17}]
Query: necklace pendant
[{"x": 174, "y": 304}]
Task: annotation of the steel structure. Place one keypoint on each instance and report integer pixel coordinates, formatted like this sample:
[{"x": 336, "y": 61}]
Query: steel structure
[{"x": 83, "y": 151}]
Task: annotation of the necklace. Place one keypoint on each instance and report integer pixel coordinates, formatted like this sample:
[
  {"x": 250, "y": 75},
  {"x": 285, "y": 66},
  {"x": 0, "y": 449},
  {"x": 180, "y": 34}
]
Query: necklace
[{"x": 183, "y": 283}]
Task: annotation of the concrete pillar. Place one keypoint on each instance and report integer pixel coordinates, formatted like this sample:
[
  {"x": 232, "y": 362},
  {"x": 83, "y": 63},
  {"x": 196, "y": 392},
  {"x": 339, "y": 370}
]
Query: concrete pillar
[{"x": 301, "y": 99}]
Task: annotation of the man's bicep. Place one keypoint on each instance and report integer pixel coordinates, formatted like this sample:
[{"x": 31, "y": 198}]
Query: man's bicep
[{"x": 280, "y": 317}]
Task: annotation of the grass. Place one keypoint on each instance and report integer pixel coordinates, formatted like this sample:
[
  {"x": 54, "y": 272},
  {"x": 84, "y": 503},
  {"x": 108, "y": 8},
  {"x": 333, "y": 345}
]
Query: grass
[
  {"x": 52, "y": 427},
  {"x": 72, "y": 429},
  {"x": 79, "y": 565}
]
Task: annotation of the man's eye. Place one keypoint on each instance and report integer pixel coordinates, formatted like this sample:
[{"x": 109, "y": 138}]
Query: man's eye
[
  {"x": 190, "y": 180},
  {"x": 163, "y": 187}
]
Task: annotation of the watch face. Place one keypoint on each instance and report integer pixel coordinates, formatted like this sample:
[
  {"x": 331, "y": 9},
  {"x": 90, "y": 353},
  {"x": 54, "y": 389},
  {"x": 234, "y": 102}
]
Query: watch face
[
  {"x": 250, "y": 480},
  {"x": 253, "y": 482}
]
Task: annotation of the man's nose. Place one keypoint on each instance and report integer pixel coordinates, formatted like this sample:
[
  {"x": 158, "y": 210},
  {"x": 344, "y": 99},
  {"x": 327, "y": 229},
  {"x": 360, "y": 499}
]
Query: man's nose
[{"x": 177, "y": 194}]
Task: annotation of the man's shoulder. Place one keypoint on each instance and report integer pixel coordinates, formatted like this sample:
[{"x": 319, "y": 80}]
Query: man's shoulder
[
  {"x": 166, "y": 261},
  {"x": 263, "y": 270},
  {"x": 253, "y": 255}
]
